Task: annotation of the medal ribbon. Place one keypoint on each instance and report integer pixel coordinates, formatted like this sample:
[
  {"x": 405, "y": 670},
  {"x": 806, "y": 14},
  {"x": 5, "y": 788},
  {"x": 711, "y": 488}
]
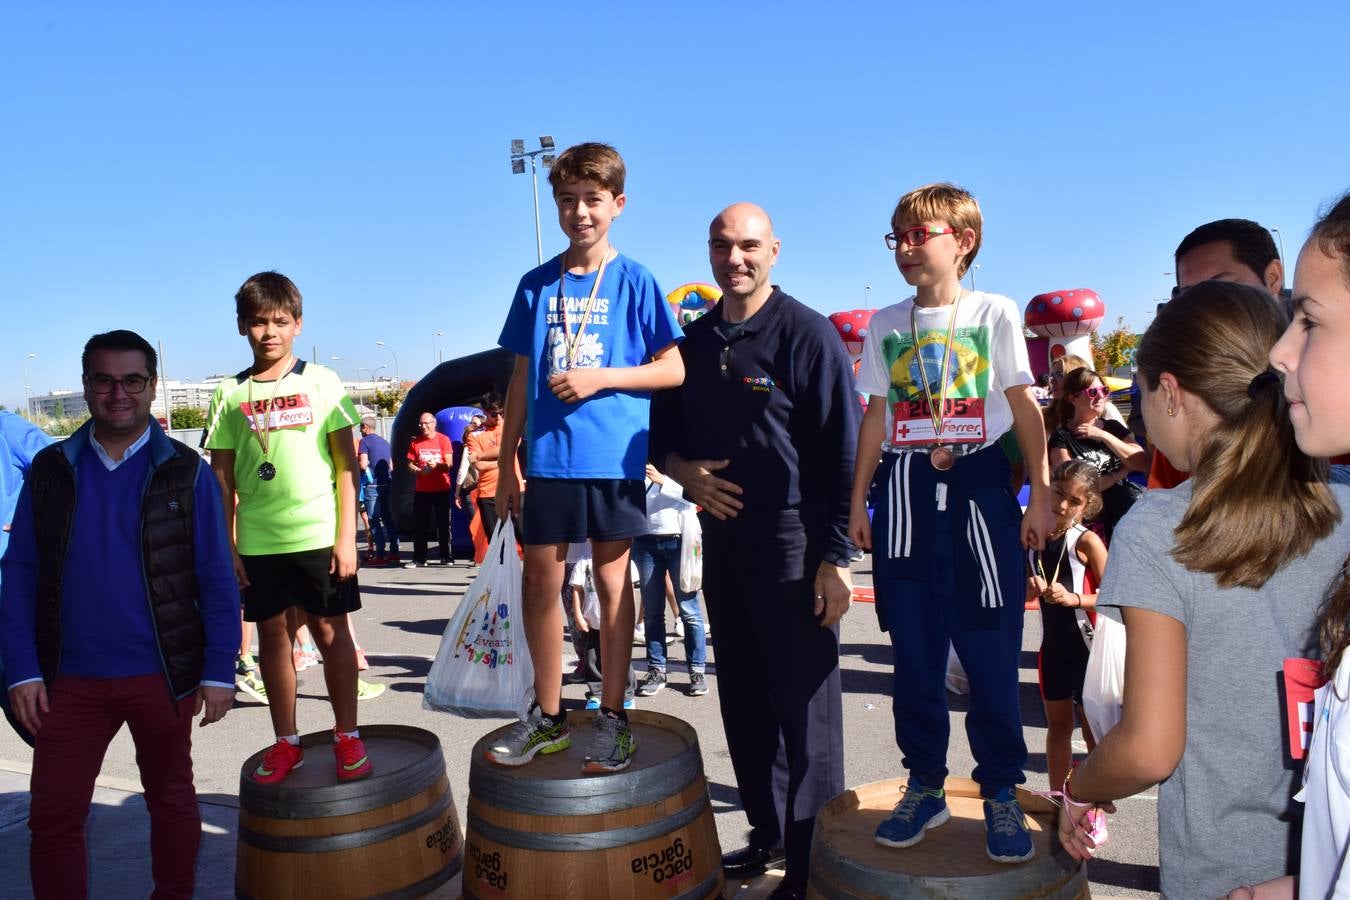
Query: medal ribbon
[
  {"x": 1040, "y": 561},
  {"x": 574, "y": 341},
  {"x": 262, "y": 428},
  {"x": 936, "y": 412}
]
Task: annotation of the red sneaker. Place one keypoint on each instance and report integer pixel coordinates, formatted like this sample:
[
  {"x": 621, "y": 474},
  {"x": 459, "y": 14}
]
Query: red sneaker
[
  {"x": 352, "y": 762},
  {"x": 278, "y": 762}
]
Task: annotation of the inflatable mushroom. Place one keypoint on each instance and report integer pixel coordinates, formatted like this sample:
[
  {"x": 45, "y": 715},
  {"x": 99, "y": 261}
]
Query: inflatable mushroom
[
  {"x": 1063, "y": 322},
  {"x": 852, "y": 328}
]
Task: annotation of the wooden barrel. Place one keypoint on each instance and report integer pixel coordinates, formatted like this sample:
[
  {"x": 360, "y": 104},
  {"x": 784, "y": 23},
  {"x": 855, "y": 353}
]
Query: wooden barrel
[
  {"x": 545, "y": 831},
  {"x": 950, "y": 862},
  {"x": 395, "y": 834}
]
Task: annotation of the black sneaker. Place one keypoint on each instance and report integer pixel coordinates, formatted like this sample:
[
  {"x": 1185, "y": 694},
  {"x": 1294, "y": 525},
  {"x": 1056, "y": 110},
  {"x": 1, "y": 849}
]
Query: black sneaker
[
  {"x": 698, "y": 685},
  {"x": 652, "y": 684}
]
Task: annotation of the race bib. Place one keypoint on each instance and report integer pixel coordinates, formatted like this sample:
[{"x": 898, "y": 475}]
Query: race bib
[
  {"x": 962, "y": 422},
  {"x": 429, "y": 457},
  {"x": 293, "y": 411},
  {"x": 1302, "y": 678}
]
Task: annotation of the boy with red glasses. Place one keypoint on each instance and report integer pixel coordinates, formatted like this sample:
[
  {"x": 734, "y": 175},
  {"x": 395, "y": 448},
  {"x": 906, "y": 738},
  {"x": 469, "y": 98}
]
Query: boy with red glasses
[{"x": 948, "y": 377}]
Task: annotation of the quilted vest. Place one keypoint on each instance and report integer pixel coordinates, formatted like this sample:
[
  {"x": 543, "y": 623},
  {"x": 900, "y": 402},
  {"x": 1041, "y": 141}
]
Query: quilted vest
[{"x": 168, "y": 560}]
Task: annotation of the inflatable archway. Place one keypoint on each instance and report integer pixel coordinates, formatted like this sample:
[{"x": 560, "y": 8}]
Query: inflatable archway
[{"x": 459, "y": 383}]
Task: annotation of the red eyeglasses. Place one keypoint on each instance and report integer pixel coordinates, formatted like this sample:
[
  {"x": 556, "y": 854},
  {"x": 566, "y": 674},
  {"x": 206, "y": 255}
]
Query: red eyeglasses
[
  {"x": 1094, "y": 393},
  {"x": 915, "y": 237}
]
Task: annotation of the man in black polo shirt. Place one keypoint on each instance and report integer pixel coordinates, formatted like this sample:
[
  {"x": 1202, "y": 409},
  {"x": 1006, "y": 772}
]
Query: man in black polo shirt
[{"x": 762, "y": 435}]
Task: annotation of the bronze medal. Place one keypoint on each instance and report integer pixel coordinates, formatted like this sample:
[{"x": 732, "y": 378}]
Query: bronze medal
[{"x": 941, "y": 458}]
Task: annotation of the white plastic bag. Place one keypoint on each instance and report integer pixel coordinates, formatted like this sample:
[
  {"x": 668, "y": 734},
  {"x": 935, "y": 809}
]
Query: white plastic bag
[
  {"x": 691, "y": 550},
  {"x": 1104, "y": 684},
  {"x": 482, "y": 667}
]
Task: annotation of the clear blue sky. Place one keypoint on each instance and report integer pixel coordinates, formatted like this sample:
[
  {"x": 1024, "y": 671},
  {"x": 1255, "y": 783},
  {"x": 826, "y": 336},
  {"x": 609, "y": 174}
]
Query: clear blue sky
[{"x": 156, "y": 154}]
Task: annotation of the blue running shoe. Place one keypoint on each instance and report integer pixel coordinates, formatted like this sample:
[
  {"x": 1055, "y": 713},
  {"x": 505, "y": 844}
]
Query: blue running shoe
[
  {"x": 919, "y": 810},
  {"x": 1006, "y": 837}
]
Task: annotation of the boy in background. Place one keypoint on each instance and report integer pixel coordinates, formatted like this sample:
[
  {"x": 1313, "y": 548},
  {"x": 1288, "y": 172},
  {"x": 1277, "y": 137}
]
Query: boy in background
[{"x": 593, "y": 336}]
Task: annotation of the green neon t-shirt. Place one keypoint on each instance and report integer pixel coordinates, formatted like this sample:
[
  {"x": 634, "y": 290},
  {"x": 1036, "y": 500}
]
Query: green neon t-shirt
[{"x": 296, "y": 509}]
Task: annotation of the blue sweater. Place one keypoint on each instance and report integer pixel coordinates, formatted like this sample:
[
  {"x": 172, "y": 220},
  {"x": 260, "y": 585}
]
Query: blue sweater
[{"x": 106, "y": 625}]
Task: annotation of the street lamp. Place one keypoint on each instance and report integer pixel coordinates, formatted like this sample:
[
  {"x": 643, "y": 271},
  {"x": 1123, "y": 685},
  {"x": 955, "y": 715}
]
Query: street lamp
[
  {"x": 867, "y": 296},
  {"x": 973, "y": 270},
  {"x": 435, "y": 352},
  {"x": 1279, "y": 237},
  {"x": 27, "y": 394},
  {"x": 358, "y": 369},
  {"x": 518, "y": 156},
  {"x": 397, "y": 377}
]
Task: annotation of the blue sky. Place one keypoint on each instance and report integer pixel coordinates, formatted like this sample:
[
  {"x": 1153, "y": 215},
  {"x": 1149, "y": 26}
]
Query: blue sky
[{"x": 156, "y": 154}]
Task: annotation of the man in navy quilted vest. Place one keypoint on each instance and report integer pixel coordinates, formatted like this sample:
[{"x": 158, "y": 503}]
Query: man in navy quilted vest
[{"x": 118, "y": 605}]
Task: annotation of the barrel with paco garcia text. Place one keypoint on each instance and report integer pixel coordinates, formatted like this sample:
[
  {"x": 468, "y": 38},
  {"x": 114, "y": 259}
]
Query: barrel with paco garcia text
[{"x": 544, "y": 831}]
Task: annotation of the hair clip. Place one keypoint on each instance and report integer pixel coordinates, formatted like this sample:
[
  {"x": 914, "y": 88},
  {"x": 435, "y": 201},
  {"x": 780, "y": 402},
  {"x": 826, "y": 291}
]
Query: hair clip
[{"x": 1267, "y": 377}]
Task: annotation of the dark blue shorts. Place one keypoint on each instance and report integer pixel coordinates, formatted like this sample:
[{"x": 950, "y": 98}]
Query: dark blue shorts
[{"x": 572, "y": 510}]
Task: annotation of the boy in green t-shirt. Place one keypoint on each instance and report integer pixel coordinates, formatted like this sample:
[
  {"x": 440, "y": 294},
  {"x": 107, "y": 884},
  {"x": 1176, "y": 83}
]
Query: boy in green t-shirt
[{"x": 281, "y": 444}]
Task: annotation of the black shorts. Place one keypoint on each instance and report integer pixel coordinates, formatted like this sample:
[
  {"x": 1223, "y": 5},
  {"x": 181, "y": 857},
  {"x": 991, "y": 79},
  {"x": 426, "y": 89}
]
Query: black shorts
[
  {"x": 1063, "y": 670},
  {"x": 279, "y": 581},
  {"x": 571, "y": 510}
]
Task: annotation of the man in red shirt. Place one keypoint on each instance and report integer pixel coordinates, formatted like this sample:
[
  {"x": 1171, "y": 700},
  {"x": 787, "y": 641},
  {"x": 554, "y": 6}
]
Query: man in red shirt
[
  {"x": 484, "y": 446},
  {"x": 429, "y": 458}
]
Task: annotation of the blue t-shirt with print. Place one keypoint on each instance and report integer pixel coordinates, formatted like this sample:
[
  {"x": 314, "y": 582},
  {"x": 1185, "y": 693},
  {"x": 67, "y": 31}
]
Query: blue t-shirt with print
[{"x": 603, "y": 436}]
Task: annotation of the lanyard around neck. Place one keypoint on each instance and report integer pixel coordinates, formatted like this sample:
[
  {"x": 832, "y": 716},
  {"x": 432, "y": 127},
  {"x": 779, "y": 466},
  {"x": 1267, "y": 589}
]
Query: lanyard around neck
[
  {"x": 573, "y": 341},
  {"x": 936, "y": 411},
  {"x": 262, "y": 425}
]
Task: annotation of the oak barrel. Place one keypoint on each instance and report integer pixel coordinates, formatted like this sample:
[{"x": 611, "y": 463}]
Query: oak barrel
[
  {"x": 394, "y": 834},
  {"x": 950, "y": 862},
  {"x": 544, "y": 830}
]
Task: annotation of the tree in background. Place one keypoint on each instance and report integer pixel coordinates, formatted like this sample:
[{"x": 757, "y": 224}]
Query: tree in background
[
  {"x": 188, "y": 417},
  {"x": 1111, "y": 351},
  {"x": 387, "y": 402}
]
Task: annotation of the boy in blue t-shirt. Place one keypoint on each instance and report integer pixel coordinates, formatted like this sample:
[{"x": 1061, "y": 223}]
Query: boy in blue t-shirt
[{"x": 580, "y": 393}]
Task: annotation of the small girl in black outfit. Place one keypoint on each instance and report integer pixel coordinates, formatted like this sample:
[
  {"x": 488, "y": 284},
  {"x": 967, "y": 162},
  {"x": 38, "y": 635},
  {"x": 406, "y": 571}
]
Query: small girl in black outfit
[{"x": 1058, "y": 580}]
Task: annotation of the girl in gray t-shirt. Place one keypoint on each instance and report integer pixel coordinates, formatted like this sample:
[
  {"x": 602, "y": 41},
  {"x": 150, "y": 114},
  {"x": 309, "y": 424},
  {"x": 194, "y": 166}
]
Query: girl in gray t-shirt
[{"x": 1217, "y": 581}]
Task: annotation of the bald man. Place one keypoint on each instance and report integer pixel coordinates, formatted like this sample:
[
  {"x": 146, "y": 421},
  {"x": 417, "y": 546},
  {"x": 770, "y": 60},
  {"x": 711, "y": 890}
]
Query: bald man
[{"x": 762, "y": 435}]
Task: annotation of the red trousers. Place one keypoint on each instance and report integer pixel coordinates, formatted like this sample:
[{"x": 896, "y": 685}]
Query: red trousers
[{"x": 85, "y": 714}]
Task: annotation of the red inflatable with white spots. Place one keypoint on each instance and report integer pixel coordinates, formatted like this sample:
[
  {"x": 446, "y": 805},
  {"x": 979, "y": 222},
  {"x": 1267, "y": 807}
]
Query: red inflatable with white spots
[
  {"x": 1065, "y": 313},
  {"x": 852, "y": 328}
]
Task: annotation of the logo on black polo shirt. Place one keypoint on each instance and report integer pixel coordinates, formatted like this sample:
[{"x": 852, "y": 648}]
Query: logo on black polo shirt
[{"x": 763, "y": 383}]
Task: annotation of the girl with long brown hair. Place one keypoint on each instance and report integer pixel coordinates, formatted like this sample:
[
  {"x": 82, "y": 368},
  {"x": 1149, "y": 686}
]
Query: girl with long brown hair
[{"x": 1217, "y": 582}]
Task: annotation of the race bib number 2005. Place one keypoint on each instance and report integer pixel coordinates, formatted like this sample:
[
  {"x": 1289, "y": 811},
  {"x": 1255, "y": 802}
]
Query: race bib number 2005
[
  {"x": 292, "y": 411},
  {"x": 962, "y": 422}
]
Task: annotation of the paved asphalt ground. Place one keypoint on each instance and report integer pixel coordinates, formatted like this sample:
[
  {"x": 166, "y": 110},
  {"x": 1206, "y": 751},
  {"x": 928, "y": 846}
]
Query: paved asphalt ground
[{"x": 400, "y": 627}]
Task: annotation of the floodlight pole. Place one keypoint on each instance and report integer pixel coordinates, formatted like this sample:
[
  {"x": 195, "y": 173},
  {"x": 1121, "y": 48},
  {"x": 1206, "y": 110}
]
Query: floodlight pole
[
  {"x": 518, "y": 156},
  {"x": 538, "y": 236}
]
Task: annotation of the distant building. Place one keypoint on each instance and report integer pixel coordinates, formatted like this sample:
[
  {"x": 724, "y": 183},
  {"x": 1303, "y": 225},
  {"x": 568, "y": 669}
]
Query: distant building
[{"x": 67, "y": 404}]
